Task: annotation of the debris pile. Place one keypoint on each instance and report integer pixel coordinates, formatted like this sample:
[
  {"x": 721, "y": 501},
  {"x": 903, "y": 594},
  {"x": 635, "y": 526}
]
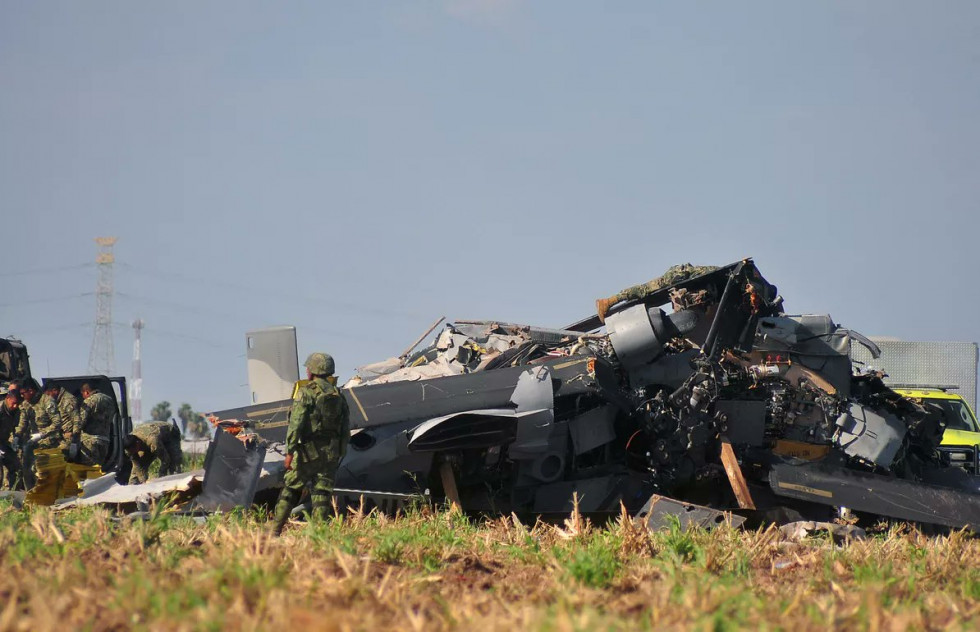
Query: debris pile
[
  {"x": 694, "y": 396},
  {"x": 696, "y": 385}
]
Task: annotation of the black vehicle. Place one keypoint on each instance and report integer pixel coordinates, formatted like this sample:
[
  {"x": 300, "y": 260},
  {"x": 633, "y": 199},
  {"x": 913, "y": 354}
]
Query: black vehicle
[{"x": 14, "y": 361}]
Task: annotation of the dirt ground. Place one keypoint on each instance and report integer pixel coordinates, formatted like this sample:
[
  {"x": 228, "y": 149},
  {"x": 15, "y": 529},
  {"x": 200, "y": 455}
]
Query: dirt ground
[{"x": 428, "y": 570}]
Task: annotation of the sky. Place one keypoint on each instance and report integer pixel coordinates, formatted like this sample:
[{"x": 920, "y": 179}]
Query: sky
[{"x": 359, "y": 169}]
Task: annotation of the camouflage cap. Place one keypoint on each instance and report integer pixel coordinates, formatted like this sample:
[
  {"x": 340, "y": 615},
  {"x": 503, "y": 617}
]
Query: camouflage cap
[{"x": 320, "y": 364}]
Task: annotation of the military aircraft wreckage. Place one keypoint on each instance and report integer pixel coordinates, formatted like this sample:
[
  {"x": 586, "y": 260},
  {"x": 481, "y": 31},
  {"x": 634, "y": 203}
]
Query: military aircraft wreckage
[{"x": 693, "y": 395}]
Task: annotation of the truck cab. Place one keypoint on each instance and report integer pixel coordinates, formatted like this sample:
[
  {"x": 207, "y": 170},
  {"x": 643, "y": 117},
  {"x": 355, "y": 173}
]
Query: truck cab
[
  {"x": 14, "y": 361},
  {"x": 961, "y": 439}
]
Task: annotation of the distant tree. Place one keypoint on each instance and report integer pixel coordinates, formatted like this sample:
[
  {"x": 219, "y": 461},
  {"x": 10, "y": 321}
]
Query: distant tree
[
  {"x": 195, "y": 427},
  {"x": 161, "y": 412}
]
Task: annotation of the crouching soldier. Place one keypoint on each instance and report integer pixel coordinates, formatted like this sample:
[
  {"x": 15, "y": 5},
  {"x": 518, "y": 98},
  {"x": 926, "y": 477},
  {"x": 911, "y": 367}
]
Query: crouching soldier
[
  {"x": 57, "y": 420},
  {"x": 151, "y": 441},
  {"x": 316, "y": 440},
  {"x": 97, "y": 413}
]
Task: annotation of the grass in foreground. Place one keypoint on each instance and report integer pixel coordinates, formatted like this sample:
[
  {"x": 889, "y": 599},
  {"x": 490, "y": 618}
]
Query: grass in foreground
[{"x": 81, "y": 569}]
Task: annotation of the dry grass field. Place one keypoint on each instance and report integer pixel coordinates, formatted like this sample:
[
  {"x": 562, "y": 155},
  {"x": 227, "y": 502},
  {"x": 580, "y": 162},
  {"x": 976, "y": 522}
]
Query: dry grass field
[{"x": 82, "y": 569}]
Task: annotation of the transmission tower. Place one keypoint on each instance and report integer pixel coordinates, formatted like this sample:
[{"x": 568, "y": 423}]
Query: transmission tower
[
  {"x": 136, "y": 386},
  {"x": 100, "y": 357}
]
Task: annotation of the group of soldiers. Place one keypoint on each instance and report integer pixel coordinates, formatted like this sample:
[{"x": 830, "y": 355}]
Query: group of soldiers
[
  {"x": 32, "y": 418},
  {"x": 52, "y": 418}
]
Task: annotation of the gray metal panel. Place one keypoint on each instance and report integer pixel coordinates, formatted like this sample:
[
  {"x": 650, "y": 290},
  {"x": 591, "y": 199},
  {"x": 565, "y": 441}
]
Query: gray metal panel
[
  {"x": 594, "y": 495},
  {"x": 869, "y": 435},
  {"x": 659, "y": 511},
  {"x": 925, "y": 363},
  {"x": 273, "y": 365},
  {"x": 593, "y": 428},
  {"x": 632, "y": 336},
  {"x": 231, "y": 473}
]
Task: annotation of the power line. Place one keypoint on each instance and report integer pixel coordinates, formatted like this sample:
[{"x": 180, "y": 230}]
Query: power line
[
  {"x": 153, "y": 331},
  {"x": 35, "y": 332},
  {"x": 184, "y": 307},
  {"x": 47, "y": 270},
  {"x": 239, "y": 316},
  {"x": 53, "y": 299},
  {"x": 263, "y": 291}
]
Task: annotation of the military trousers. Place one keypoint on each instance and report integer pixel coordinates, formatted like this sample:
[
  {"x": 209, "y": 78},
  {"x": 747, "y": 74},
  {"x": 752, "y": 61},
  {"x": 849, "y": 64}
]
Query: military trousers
[
  {"x": 94, "y": 449},
  {"x": 319, "y": 476}
]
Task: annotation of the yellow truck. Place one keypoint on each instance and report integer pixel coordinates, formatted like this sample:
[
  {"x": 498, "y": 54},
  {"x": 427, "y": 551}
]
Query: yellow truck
[{"x": 961, "y": 440}]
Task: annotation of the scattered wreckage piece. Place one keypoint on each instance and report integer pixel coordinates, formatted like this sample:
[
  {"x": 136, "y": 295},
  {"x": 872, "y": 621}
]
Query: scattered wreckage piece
[
  {"x": 839, "y": 532},
  {"x": 234, "y": 471},
  {"x": 661, "y": 512},
  {"x": 175, "y": 490},
  {"x": 232, "y": 468}
]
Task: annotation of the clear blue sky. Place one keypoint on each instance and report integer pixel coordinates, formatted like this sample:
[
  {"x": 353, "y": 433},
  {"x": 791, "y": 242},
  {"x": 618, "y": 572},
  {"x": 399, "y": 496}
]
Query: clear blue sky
[{"x": 360, "y": 168}]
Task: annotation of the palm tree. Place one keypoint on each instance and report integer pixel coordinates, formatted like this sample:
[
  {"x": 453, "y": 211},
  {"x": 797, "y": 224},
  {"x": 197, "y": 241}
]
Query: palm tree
[{"x": 161, "y": 412}]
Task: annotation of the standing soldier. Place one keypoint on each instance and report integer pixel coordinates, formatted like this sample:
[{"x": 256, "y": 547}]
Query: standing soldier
[
  {"x": 58, "y": 421},
  {"x": 9, "y": 417},
  {"x": 316, "y": 440},
  {"x": 97, "y": 412},
  {"x": 27, "y": 428},
  {"x": 151, "y": 441}
]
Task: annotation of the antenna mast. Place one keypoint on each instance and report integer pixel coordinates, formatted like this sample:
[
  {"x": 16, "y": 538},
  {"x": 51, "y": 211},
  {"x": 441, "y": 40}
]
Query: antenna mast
[{"x": 136, "y": 386}]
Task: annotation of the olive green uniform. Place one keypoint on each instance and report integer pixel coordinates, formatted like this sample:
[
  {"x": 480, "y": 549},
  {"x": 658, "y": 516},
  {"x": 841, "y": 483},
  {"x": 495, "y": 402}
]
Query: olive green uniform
[
  {"x": 97, "y": 413},
  {"x": 673, "y": 276},
  {"x": 317, "y": 436},
  {"x": 9, "y": 418},
  {"x": 58, "y": 421},
  {"x": 25, "y": 428},
  {"x": 27, "y": 425},
  {"x": 163, "y": 442}
]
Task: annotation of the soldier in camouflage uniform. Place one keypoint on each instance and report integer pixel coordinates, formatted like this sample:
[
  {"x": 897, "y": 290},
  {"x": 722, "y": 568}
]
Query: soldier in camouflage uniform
[
  {"x": 151, "y": 441},
  {"x": 316, "y": 440},
  {"x": 673, "y": 276},
  {"x": 58, "y": 421},
  {"x": 9, "y": 417},
  {"x": 97, "y": 413},
  {"x": 27, "y": 429},
  {"x": 26, "y": 424}
]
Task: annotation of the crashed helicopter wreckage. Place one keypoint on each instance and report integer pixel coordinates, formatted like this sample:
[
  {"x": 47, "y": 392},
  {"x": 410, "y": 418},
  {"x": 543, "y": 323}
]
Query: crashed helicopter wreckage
[{"x": 724, "y": 401}]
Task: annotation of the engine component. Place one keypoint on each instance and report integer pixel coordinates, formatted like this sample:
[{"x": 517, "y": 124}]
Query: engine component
[{"x": 868, "y": 435}]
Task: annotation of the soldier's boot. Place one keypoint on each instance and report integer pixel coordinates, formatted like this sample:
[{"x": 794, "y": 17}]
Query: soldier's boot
[
  {"x": 321, "y": 505},
  {"x": 282, "y": 517},
  {"x": 602, "y": 306},
  {"x": 287, "y": 500}
]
